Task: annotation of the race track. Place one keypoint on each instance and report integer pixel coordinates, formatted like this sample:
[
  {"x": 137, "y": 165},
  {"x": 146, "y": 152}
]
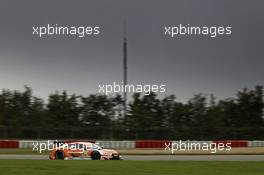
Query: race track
[{"x": 154, "y": 157}]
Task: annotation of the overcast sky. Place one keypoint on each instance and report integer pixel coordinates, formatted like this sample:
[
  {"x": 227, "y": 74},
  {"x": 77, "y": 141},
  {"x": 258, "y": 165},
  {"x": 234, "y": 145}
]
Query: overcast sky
[{"x": 187, "y": 65}]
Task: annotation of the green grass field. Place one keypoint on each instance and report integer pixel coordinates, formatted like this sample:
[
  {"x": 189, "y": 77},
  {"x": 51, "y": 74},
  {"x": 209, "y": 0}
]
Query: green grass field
[{"x": 43, "y": 167}]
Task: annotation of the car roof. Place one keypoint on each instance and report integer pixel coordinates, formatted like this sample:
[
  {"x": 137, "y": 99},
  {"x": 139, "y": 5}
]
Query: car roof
[{"x": 80, "y": 143}]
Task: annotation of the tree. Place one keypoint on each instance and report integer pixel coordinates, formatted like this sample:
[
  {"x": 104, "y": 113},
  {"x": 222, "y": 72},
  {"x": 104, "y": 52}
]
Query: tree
[
  {"x": 145, "y": 117},
  {"x": 63, "y": 113},
  {"x": 96, "y": 115}
]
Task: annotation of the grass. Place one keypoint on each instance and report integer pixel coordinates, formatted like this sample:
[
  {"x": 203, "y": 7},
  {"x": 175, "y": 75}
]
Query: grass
[{"x": 43, "y": 167}]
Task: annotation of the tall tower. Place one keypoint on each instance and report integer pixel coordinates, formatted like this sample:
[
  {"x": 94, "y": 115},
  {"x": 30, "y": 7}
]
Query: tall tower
[{"x": 125, "y": 68}]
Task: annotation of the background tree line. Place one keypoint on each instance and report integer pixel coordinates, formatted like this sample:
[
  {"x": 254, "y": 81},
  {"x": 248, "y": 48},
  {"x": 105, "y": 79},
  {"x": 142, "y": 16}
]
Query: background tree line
[{"x": 97, "y": 116}]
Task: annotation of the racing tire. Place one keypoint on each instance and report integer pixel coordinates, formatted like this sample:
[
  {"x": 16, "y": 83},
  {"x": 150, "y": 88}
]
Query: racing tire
[
  {"x": 59, "y": 155},
  {"x": 115, "y": 158},
  {"x": 95, "y": 155}
]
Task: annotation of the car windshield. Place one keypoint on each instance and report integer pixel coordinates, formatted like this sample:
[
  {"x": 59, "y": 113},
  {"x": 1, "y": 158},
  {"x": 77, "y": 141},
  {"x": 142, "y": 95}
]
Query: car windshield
[{"x": 96, "y": 147}]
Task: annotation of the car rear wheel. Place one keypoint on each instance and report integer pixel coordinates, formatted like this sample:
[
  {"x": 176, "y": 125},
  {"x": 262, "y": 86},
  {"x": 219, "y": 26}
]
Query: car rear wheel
[
  {"x": 95, "y": 155},
  {"x": 60, "y": 155}
]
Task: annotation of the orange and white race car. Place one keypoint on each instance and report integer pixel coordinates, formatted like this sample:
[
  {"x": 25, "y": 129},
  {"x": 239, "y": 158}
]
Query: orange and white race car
[{"x": 82, "y": 150}]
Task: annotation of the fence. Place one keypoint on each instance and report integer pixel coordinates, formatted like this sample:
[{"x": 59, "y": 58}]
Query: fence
[{"x": 126, "y": 144}]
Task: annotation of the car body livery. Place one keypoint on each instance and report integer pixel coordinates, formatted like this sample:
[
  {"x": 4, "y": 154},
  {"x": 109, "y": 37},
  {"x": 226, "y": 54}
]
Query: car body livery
[{"x": 82, "y": 150}]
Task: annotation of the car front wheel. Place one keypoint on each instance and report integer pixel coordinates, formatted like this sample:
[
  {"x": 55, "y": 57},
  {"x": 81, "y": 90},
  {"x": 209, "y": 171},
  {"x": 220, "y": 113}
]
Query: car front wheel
[
  {"x": 60, "y": 155},
  {"x": 95, "y": 155}
]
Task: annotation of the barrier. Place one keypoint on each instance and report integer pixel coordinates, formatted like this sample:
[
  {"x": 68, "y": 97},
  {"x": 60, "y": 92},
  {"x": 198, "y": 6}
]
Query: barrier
[
  {"x": 233, "y": 143},
  {"x": 152, "y": 143},
  {"x": 105, "y": 144},
  {"x": 9, "y": 144},
  {"x": 29, "y": 143},
  {"x": 125, "y": 144},
  {"x": 117, "y": 144},
  {"x": 256, "y": 143}
]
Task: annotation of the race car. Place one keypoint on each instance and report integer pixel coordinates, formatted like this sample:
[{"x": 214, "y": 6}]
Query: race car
[{"x": 82, "y": 150}]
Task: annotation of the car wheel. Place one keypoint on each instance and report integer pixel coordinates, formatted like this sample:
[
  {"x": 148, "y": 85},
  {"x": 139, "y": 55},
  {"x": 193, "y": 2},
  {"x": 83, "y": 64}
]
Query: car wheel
[
  {"x": 60, "y": 155},
  {"x": 115, "y": 157},
  {"x": 95, "y": 155}
]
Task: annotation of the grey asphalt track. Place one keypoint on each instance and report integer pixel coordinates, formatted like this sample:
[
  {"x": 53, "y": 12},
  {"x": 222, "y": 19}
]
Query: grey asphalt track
[{"x": 154, "y": 157}]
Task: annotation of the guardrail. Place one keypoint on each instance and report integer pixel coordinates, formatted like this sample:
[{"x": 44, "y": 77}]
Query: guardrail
[
  {"x": 9, "y": 144},
  {"x": 127, "y": 144}
]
